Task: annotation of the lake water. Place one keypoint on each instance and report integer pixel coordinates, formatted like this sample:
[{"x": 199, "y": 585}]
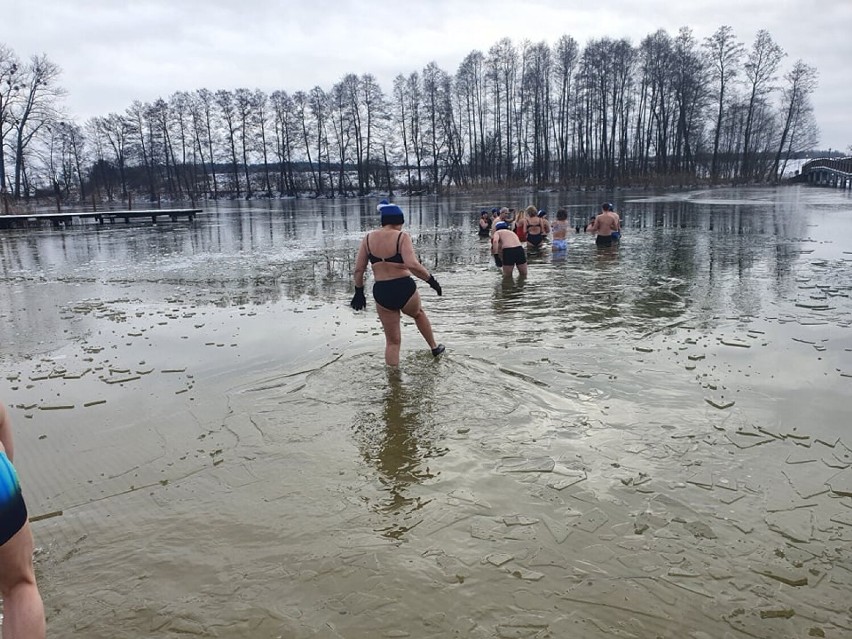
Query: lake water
[{"x": 645, "y": 441}]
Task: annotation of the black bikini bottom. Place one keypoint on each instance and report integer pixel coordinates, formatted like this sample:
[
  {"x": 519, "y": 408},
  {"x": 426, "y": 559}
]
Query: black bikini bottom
[{"x": 394, "y": 294}]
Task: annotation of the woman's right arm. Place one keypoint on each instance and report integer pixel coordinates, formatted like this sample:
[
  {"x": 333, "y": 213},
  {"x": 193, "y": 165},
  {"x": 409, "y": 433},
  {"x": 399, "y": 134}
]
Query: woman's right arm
[{"x": 361, "y": 263}]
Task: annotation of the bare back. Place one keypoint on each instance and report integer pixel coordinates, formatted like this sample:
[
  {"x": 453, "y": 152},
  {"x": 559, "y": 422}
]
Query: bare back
[
  {"x": 390, "y": 252},
  {"x": 503, "y": 239},
  {"x": 605, "y": 224}
]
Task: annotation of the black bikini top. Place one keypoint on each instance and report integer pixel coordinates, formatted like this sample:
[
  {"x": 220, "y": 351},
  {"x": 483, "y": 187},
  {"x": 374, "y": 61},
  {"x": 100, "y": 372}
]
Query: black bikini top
[{"x": 396, "y": 259}]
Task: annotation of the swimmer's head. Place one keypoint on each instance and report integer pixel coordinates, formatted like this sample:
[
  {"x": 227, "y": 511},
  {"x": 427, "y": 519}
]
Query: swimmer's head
[
  {"x": 390, "y": 213},
  {"x": 500, "y": 226},
  {"x": 561, "y": 214},
  {"x": 607, "y": 206}
]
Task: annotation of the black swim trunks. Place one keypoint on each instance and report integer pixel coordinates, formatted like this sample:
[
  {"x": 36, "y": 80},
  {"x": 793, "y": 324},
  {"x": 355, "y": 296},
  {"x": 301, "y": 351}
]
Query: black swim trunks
[
  {"x": 604, "y": 240},
  {"x": 394, "y": 294},
  {"x": 535, "y": 239},
  {"x": 514, "y": 255},
  {"x": 13, "y": 510}
]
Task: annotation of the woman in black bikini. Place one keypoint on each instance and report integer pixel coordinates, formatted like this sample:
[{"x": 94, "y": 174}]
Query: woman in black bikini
[
  {"x": 536, "y": 227},
  {"x": 394, "y": 289}
]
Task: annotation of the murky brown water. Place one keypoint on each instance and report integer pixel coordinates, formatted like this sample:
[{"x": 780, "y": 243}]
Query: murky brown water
[{"x": 646, "y": 442}]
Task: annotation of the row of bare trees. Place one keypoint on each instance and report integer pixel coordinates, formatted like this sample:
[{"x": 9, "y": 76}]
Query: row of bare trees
[{"x": 672, "y": 109}]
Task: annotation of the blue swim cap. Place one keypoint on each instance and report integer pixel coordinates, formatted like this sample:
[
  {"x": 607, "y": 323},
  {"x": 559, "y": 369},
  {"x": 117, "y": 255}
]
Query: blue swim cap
[
  {"x": 501, "y": 226},
  {"x": 391, "y": 213}
]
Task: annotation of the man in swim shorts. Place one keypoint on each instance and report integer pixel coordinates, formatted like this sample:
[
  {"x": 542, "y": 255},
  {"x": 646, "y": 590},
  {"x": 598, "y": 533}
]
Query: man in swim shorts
[
  {"x": 605, "y": 225},
  {"x": 507, "y": 250},
  {"x": 23, "y": 610}
]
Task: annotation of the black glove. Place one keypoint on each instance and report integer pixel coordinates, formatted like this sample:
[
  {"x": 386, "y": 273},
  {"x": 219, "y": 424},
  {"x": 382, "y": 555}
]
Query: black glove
[
  {"x": 497, "y": 260},
  {"x": 434, "y": 284},
  {"x": 359, "y": 302}
]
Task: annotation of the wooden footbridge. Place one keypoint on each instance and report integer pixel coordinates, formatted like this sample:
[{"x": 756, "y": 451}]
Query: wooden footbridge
[
  {"x": 66, "y": 219},
  {"x": 835, "y": 173}
]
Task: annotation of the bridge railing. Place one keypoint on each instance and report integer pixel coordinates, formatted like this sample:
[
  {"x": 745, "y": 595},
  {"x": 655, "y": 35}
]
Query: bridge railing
[{"x": 843, "y": 165}]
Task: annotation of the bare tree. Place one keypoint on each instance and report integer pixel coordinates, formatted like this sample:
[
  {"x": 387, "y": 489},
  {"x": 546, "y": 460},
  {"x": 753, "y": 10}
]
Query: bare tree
[
  {"x": 725, "y": 54},
  {"x": 471, "y": 88},
  {"x": 139, "y": 128},
  {"x": 10, "y": 86},
  {"x": 690, "y": 99},
  {"x": 303, "y": 117},
  {"x": 116, "y": 130},
  {"x": 565, "y": 57},
  {"x": 285, "y": 126},
  {"x": 72, "y": 143},
  {"x": 36, "y": 107},
  {"x": 204, "y": 118},
  {"x": 244, "y": 106},
  {"x": 801, "y": 83},
  {"x": 318, "y": 103},
  {"x": 414, "y": 98},
  {"x": 760, "y": 69},
  {"x": 230, "y": 116},
  {"x": 503, "y": 64},
  {"x": 180, "y": 106},
  {"x": 375, "y": 110}
]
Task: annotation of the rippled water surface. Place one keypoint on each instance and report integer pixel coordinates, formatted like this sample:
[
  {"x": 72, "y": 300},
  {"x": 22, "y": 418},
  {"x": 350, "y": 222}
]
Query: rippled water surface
[{"x": 645, "y": 441}]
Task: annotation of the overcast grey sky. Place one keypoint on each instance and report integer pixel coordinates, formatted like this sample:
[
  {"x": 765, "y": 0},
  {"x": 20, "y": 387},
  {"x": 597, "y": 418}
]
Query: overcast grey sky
[{"x": 115, "y": 51}]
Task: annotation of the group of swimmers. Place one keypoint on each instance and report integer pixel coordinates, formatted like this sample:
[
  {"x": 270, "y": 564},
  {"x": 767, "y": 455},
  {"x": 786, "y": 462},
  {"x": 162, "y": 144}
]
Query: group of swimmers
[
  {"x": 508, "y": 231},
  {"x": 389, "y": 252}
]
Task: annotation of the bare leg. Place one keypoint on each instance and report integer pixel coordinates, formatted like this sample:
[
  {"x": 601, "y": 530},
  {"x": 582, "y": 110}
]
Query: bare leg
[
  {"x": 22, "y": 606},
  {"x": 522, "y": 270},
  {"x": 508, "y": 270},
  {"x": 414, "y": 309},
  {"x": 393, "y": 334}
]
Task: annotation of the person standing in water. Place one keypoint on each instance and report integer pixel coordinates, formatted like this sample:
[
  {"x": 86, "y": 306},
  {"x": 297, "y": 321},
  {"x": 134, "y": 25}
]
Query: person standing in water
[
  {"x": 507, "y": 250},
  {"x": 604, "y": 225},
  {"x": 561, "y": 230},
  {"x": 484, "y": 224},
  {"x": 394, "y": 289},
  {"x": 23, "y": 610},
  {"x": 519, "y": 225},
  {"x": 616, "y": 234},
  {"x": 536, "y": 226}
]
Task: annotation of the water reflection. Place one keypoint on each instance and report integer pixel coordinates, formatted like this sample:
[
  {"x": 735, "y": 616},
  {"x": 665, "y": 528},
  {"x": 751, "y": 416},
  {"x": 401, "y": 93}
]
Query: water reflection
[
  {"x": 718, "y": 245},
  {"x": 399, "y": 440},
  {"x": 508, "y": 293}
]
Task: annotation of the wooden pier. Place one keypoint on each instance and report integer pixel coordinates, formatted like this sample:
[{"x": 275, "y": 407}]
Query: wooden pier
[{"x": 66, "y": 219}]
